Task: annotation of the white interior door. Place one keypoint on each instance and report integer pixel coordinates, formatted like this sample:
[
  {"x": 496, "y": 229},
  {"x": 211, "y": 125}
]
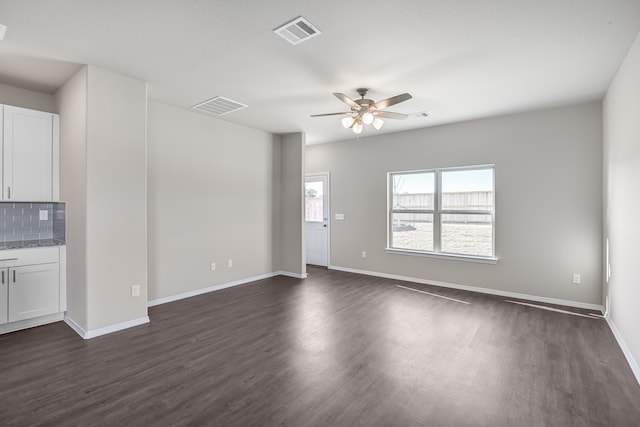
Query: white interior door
[{"x": 316, "y": 190}]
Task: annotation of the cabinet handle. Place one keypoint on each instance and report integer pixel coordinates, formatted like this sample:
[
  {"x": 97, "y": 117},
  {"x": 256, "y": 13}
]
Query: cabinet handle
[
  {"x": 3, "y": 277},
  {"x": 14, "y": 276},
  {"x": 8, "y": 192}
]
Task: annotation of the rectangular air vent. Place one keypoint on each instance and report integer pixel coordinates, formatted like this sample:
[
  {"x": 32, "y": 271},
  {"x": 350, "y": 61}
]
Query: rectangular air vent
[
  {"x": 219, "y": 106},
  {"x": 297, "y": 31}
]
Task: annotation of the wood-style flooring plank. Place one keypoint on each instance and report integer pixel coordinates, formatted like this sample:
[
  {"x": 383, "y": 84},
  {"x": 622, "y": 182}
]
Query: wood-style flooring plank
[{"x": 335, "y": 349}]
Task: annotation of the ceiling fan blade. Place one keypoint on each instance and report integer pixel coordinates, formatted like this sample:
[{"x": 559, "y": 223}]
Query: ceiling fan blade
[
  {"x": 331, "y": 114},
  {"x": 350, "y": 102},
  {"x": 390, "y": 115},
  {"x": 391, "y": 101}
]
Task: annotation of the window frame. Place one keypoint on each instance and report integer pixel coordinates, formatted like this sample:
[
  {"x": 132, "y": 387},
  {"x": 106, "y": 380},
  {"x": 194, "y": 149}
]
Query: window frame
[{"x": 437, "y": 213}]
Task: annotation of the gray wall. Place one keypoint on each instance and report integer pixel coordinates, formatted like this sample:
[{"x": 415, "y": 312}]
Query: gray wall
[
  {"x": 622, "y": 198},
  {"x": 211, "y": 195},
  {"x": 116, "y": 198},
  {"x": 554, "y": 156},
  {"x": 103, "y": 178},
  {"x": 293, "y": 252},
  {"x": 24, "y": 98},
  {"x": 71, "y": 102}
]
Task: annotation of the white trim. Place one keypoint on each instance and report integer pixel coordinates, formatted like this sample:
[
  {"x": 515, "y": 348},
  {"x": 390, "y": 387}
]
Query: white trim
[
  {"x": 221, "y": 286},
  {"x": 473, "y": 288},
  {"x": 288, "y": 274},
  {"x": 633, "y": 364},
  {"x": 30, "y": 323},
  {"x": 107, "y": 329}
]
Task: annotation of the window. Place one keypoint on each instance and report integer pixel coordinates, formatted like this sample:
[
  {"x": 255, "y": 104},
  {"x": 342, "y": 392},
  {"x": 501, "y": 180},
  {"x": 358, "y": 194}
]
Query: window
[
  {"x": 313, "y": 198},
  {"x": 443, "y": 211}
]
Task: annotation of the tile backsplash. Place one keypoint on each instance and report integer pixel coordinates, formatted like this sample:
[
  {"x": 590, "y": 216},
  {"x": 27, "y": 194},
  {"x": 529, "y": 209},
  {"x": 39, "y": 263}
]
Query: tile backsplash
[{"x": 21, "y": 221}]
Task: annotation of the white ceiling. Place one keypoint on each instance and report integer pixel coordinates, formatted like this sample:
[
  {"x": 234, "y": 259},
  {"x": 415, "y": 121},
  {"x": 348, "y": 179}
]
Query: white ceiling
[{"x": 460, "y": 59}]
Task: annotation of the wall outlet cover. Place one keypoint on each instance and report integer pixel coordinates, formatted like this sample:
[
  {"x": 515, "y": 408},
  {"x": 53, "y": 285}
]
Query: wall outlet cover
[{"x": 44, "y": 215}]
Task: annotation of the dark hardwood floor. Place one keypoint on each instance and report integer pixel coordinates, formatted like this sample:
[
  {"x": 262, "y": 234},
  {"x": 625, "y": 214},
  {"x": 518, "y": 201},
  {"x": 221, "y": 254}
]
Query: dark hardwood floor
[{"x": 336, "y": 349}]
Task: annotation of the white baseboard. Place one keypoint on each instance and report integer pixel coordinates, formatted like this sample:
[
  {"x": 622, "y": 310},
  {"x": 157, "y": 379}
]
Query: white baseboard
[
  {"x": 142, "y": 320},
  {"x": 294, "y": 275},
  {"x": 214, "y": 288},
  {"x": 30, "y": 323},
  {"x": 107, "y": 329},
  {"x": 633, "y": 364},
  {"x": 473, "y": 289}
]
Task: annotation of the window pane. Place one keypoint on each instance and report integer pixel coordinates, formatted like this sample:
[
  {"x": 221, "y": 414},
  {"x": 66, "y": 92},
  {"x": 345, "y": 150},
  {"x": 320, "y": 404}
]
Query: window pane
[
  {"x": 412, "y": 231},
  {"x": 467, "y": 234},
  {"x": 313, "y": 202},
  {"x": 413, "y": 191},
  {"x": 467, "y": 190}
]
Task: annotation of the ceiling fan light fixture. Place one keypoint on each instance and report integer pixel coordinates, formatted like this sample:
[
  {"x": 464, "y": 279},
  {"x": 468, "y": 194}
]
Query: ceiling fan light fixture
[
  {"x": 366, "y": 111},
  {"x": 347, "y": 122},
  {"x": 367, "y": 118}
]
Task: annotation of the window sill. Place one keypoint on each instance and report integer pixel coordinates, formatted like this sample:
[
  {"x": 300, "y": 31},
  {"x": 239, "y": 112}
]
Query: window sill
[{"x": 452, "y": 257}]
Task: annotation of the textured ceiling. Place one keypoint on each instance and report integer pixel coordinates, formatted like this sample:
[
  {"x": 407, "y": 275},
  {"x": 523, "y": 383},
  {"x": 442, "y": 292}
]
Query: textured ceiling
[{"x": 460, "y": 59}]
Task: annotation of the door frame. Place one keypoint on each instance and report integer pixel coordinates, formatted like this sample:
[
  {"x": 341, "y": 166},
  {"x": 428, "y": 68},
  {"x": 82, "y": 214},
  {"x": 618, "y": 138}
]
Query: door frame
[{"x": 327, "y": 176}]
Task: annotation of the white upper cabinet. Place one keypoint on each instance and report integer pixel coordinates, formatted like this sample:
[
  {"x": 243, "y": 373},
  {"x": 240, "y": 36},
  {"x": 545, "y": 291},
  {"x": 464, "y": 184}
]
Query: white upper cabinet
[{"x": 30, "y": 155}]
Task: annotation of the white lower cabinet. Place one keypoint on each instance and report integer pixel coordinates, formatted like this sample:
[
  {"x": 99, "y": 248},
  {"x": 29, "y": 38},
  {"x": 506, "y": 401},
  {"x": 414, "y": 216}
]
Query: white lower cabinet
[
  {"x": 34, "y": 290},
  {"x": 32, "y": 286}
]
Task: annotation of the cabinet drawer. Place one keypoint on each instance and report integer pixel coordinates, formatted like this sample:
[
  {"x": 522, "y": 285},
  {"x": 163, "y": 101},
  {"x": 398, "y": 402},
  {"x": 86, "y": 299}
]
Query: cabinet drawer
[{"x": 16, "y": 257}]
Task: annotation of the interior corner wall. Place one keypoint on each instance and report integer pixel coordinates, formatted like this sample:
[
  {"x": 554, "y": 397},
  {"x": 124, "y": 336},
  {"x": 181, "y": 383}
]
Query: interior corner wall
[
  {"x": 71, "y": 102},
  {"x": 116, "y": 198},
  {"x": 24, "y": 98},
  {"x": 548, "y": 181},
  {"x": 293, "y": 252},
  {"x": 276, "y": 188},
  {"x": 211, "y": 200},
  {"x": 621, "y": 158}
]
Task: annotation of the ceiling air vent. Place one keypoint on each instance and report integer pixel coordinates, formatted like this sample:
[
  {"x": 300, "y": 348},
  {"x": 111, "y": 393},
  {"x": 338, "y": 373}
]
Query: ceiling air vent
[
  {"x": 219, "y": 105},
  {"x": 297, "y": 31}
]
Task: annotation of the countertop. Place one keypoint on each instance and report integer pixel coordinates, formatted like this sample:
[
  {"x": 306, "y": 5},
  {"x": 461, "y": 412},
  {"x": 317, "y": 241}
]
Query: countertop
[{"x": 31, "y": 244}]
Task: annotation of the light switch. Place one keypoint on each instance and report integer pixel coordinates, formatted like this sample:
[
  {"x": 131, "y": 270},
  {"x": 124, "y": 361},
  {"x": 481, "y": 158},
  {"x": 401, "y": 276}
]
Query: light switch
[
  {"x": 44, "y": 215},
  {"x": 339, "y": 217}
]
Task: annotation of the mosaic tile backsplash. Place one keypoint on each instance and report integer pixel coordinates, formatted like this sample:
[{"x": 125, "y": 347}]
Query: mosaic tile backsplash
[{"x": 20, "y": 222}]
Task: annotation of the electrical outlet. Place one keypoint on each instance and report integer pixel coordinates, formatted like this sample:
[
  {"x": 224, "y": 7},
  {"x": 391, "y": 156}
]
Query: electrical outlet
[
  {"x": 135, "y": 290},
  {"x": 364, "y": 254},
  {"x": 577, "y": 278},
  {"x": 44, "y": 215},
  {"x": 230, "y": 263},
  {"x": 213, "y": 266}
]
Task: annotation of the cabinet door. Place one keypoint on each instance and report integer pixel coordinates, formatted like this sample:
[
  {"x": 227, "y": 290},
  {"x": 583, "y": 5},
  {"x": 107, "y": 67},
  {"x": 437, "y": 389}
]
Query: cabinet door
[
  {"x": 4, "y": 295},
  {"x": 28, "y": 154},
  {"x": 33, "y": 291}
]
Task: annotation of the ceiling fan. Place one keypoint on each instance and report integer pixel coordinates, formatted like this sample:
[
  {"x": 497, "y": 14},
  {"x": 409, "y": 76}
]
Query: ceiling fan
[{"x": 366, "y": 111}]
